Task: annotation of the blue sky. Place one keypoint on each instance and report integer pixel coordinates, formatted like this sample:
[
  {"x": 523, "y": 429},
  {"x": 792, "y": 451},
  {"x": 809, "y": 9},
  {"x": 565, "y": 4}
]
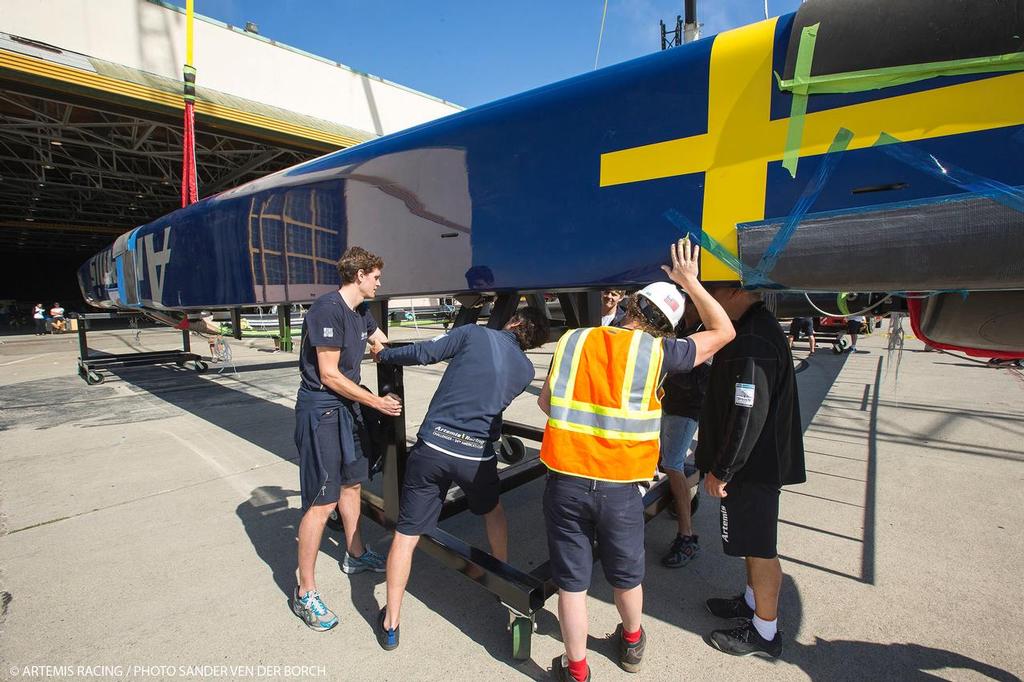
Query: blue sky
[{"x": 470, "y": 53}]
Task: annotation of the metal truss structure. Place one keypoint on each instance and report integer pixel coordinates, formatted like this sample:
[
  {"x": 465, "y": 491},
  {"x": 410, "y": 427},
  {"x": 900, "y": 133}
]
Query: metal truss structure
[{"x": 75, "y": 174}]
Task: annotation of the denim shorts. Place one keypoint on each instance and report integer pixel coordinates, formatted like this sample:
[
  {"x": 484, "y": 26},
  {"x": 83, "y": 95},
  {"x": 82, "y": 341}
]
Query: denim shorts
[{"x": 676, "y": 437}]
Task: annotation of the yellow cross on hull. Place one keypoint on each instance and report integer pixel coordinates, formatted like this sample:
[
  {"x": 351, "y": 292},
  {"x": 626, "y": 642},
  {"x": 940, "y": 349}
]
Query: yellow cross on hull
[{"x": 742, "y": 139}]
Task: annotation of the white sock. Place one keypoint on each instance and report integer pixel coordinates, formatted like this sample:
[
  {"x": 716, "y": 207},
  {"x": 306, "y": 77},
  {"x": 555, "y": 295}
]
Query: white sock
[
  {"x": 748, "y": 596},
  {"x": 766, "y": 628}
]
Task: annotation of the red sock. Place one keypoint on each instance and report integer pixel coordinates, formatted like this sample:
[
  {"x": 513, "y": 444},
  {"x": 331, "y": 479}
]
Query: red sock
[
  {"x": 631, "y": 637},
  {"x": 578, "y": 669}
]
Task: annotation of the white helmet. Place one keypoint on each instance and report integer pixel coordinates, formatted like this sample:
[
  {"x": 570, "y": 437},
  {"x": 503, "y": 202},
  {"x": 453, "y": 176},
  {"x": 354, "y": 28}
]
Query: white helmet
[{"x": 666, "y": 298}]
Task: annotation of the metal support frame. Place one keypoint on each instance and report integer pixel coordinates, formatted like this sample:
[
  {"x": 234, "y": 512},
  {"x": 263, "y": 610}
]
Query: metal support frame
[
  {"x": 236, "y": 323},
  {"x": 581, "y": 309},
  {"x": 284, "y": 326},
  {"x": 90, "y": 362}
]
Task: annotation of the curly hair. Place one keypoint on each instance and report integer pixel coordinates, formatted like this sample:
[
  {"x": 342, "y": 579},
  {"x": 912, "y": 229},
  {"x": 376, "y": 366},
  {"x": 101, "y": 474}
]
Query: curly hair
[
  {"x": 532, "y": 328},
  {"x": 642, "y": 322},
  {"x": 357, "y": 258}
]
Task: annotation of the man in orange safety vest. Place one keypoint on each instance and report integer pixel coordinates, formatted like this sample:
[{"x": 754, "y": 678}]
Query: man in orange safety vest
[{"x": 601, "y": 440}]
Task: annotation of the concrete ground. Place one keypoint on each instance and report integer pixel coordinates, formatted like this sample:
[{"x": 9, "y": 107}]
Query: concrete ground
[{"x": 149, "y": 523}]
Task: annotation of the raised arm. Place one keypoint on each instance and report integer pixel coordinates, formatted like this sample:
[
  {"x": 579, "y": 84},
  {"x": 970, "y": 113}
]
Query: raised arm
[{"x": 718, "y": 329}]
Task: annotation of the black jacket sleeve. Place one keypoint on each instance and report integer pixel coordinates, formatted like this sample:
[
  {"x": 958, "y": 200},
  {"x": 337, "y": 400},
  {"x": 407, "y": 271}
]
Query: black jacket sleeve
[{"x": 745, "y": 418}]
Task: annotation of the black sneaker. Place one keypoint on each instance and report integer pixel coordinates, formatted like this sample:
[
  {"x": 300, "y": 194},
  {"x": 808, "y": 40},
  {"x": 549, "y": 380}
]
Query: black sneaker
[
  {"x": 387, "y": 638},
  {"x": 630, "y": 655},
  {"x": 736, "y": 607},
  {"x": 683, "y": 549},
  {"x": 560, "y": 669},
  {"x": 745, "y": 640}
]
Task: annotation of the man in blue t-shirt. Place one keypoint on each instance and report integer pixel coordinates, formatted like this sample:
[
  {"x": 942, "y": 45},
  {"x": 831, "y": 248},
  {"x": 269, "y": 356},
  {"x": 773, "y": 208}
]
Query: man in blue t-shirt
[
  {"x": 487, "y": 369},
  {"x": 330, "y": 432}
]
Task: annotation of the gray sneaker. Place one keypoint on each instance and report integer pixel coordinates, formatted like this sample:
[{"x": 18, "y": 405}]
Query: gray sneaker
[
  {"x": 311, "y": 608},
  {"x": 369, "y": 561},
  {"x": 683, "y": 550}
]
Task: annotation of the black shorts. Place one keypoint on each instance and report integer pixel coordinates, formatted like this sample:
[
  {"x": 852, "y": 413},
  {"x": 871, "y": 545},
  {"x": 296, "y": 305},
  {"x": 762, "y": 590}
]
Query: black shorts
[
  {"x": 429, "y": 474},
  {"x": 750, "y": 519},
  {"x": 578, "y": 511},
  {"x": 853, "y": 326},
  {"x": 339, "y": 474},
  {"x": 801, "y": 325}
]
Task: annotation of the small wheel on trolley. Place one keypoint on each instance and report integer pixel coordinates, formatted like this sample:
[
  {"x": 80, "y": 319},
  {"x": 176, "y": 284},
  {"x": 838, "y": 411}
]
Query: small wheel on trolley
[
  {"x": 521, "y": 628},
  {"x": 511, "y": 449},
  {"x": 200, "y": 366},
  {"x": 93, "y": 377}
]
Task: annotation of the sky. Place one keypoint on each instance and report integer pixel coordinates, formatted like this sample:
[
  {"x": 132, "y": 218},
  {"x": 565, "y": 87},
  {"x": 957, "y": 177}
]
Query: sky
[{"x": 473, "y": 52}]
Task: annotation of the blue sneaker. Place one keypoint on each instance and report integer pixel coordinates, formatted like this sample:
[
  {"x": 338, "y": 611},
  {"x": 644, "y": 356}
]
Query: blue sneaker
[
  {"x": 369, "y": 561},
  {"x": 386, "y": 637},
  {"x": 311, "y": 609}
]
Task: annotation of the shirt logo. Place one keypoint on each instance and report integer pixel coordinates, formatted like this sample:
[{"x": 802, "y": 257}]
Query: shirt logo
[
  {"x": 328, "y": 332},
  {"x": 745, "y": 395}
]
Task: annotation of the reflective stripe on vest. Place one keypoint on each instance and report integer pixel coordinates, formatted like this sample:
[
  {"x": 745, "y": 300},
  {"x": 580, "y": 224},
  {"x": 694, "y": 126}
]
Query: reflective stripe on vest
[{"x": 616, "y": 440}]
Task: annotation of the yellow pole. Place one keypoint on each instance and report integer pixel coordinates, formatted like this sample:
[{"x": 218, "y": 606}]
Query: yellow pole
[{"x": 189, "y": 13}]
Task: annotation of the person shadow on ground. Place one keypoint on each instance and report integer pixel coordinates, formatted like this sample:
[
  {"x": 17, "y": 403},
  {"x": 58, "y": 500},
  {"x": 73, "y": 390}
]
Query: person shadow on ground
[{"x": 272, "y": 526}]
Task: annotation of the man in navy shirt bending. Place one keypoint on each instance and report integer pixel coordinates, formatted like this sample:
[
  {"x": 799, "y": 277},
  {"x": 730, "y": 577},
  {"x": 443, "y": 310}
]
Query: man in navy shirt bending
[
  {"x": 330, "y": 433},
  {"x": 487, "y": 369}
]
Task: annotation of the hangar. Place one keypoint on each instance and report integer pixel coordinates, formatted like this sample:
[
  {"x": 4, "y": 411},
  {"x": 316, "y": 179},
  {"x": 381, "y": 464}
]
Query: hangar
[{"x": 91, "y": 128}]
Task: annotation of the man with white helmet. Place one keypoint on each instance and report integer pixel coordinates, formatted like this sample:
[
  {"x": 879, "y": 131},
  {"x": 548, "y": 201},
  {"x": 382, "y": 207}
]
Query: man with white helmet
[{"x": 601, "y": 440}]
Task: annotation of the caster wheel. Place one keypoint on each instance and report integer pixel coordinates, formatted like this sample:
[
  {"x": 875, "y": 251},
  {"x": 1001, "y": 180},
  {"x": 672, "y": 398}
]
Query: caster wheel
[
  {"x": 511, "y": 450},
  {"x": 92, "y": 378},
  {"x": 200, "y": 366},
  {"x": 522, "y": 632}
]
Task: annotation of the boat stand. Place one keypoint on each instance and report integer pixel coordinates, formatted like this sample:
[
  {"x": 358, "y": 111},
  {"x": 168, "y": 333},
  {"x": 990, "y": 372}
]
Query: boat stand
[{"x": 91, "y": 362}]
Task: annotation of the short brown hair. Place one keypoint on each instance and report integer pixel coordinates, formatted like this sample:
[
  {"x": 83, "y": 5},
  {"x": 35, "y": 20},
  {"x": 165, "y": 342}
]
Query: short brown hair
[{"x": 357, "y": 258}]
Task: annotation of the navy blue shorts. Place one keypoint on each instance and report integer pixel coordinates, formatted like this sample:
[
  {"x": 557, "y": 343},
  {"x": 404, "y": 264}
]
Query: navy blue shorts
[
  {"x": 339, "y": 474},
  {"x": 429, "y": 474},
  {"x": 750, "y": 519},
  {"x": 580, "y": 511}
]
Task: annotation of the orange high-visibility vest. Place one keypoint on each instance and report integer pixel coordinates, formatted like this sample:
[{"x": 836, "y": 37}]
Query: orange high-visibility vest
[{"x": 605, "y": 417}]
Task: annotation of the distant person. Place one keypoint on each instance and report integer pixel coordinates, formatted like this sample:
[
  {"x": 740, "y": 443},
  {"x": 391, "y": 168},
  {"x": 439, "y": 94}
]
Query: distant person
[
  {"x": 611, "y": 313},
  {"x": 601, "y": 440},
  {"x": 853, "y": 327},
  {"x": 57, "y": 318},
  {"x": 680, "y": 412},
  {"x": 751, "y": 444},
  {"x": 330, "y": 432},
  {"x": 39, "y": 319},
  {"x": 802, "y": 326},
  {"x": 487, "y": 369}
]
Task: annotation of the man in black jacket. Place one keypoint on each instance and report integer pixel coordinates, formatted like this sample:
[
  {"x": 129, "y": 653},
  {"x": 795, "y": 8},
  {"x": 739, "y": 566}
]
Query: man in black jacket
[{"x": 751, "y": 445}]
